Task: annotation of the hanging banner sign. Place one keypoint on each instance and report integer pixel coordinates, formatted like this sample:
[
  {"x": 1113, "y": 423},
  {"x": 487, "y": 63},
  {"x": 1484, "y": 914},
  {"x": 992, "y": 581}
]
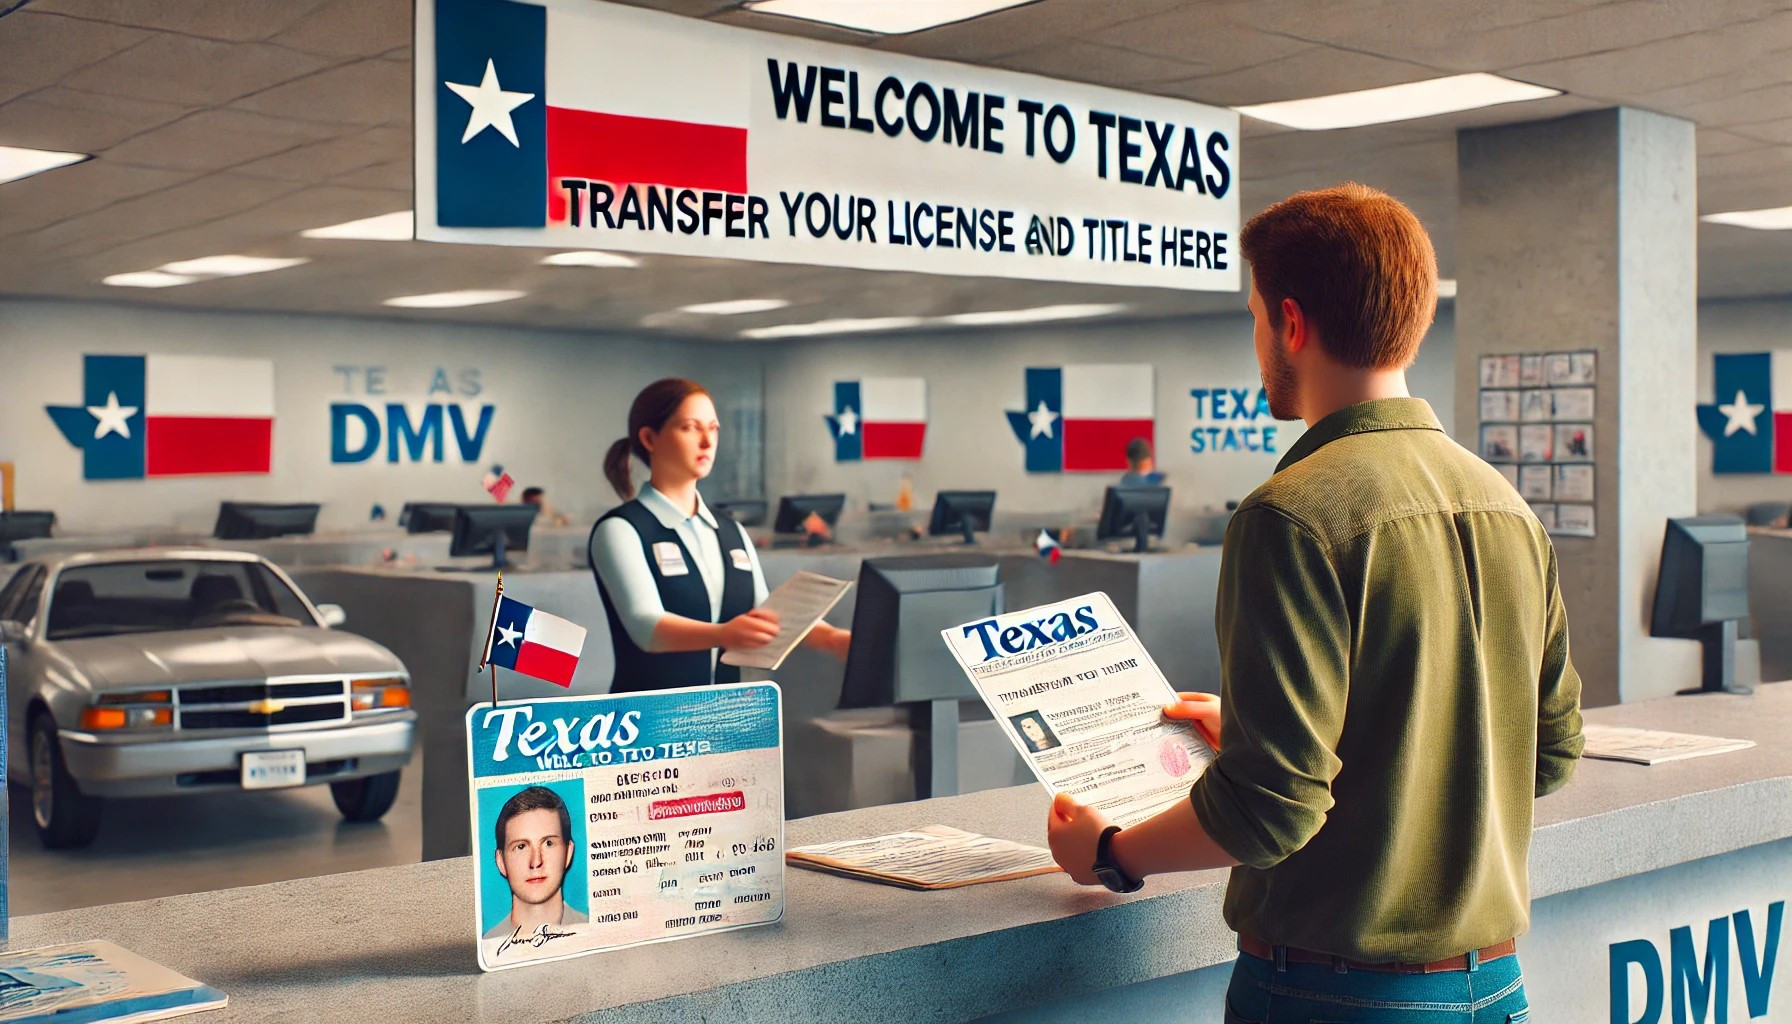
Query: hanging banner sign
[
  {"x": 602, "y": 822},
  {"x": 578, "y": 123}
]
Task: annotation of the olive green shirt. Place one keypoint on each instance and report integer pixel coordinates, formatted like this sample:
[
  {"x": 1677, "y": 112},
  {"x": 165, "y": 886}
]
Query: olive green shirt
[{"x": 1397, "y": 692}]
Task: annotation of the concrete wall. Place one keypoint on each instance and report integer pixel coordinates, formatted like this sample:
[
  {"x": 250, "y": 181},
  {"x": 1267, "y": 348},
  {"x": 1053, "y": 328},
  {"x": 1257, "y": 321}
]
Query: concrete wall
[
  {"x": 973, "y": 377},
  {"x": 560, "y": 399}
]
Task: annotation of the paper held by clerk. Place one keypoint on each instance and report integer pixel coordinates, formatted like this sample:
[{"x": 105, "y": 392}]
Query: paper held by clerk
[
  {"x": 800, "y": 602},
  {"x": 1081, "y": 699}
]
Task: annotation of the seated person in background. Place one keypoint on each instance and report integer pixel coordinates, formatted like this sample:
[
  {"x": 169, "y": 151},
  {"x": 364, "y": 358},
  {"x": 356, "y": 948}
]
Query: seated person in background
[
  {"x": 545, "y": 514},
  {"x": 1141, "y": 465}
]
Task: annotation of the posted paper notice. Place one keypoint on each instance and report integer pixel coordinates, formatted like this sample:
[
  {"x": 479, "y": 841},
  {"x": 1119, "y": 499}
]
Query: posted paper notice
[
  {"x": 1083, "y": 702},
  {"x": 800, "y": 602}
]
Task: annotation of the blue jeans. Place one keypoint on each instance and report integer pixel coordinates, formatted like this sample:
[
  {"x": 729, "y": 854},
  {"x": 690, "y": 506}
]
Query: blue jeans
[{"x": 1492, "y": 993}]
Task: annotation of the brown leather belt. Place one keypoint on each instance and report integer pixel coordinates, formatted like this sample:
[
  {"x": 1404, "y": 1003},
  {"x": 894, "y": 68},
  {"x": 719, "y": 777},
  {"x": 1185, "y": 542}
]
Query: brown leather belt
[{"x": 1264, "y": 951}]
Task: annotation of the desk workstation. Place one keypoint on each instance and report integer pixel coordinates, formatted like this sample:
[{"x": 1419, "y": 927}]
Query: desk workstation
[{"x": 1623, "y": 853}]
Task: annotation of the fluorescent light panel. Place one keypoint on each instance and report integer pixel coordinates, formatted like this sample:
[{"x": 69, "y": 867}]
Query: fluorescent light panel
[
  {"x": 842, "y": 326},
  {"x": 735, "y": 307},
  {"x": 589, "y": 258},
  {"x": 16, "y": 162},
  {"x": 147, "y": 279},
  {"x": 387, "y": 227},
  {"x": 885, "y": 17},
  {"x": 1778, "y": 218},
  {"x": 453, "y": 300},
  {"x": 231, "y": 266},
  {"x": 1397, "y": 102},
  {"x": 1038, "y": 314}
]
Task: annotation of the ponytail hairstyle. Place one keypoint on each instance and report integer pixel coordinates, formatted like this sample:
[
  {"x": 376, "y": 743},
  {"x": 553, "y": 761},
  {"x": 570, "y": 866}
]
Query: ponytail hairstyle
[{"x": 652, "y": 408}]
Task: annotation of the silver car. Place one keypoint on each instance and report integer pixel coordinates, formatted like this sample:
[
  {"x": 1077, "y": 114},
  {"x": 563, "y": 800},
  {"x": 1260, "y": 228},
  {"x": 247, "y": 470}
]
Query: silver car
[{"x": 165, "y": 670}]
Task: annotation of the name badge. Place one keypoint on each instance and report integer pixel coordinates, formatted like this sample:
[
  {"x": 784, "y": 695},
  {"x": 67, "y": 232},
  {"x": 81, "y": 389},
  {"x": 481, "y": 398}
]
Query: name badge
[
  {"x": 671, "y": 559},
  {"x": 740, "y": 559}
]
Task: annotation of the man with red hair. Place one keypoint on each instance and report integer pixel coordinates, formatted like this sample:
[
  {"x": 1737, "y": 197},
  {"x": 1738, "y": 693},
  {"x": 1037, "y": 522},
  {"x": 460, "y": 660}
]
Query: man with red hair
[{"x": 1396, "y": 683}]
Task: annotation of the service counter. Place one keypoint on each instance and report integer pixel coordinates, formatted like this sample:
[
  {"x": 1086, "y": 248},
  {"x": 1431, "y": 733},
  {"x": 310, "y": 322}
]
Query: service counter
[{"x": 1624, "y": 854}]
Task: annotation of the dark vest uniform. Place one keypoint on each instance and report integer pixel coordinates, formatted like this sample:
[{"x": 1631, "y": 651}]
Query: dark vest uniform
[{"x": 684, "y": 595}]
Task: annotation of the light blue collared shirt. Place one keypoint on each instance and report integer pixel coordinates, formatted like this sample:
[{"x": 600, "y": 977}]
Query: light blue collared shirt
[{"x": 622, "y": 564}]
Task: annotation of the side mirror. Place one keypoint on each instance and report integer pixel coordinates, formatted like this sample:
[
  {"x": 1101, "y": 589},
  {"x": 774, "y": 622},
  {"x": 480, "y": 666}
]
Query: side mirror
[{"x": 332, "y": 614}]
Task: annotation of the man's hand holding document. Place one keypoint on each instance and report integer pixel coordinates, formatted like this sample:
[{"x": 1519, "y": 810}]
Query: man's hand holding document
[{"x": 1082, "y": 700}]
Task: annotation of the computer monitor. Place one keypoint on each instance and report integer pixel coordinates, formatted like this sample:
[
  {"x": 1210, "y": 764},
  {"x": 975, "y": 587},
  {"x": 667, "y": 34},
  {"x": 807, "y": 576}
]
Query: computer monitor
[
  {"x": 745, "y": 511},
  {"x": 249, "y": 520},
  {"x": 427, "y": 516},
  {"x": 961, "y": 512},
  {"x": 794, "y": 508},
  {"x": 15, "y": 526},
  {"x": 491, "y": 529},
  {"x": 897, "y": 656},
  {"x": 1136, "y": 512},
  {"x": 1702, "y": 592}
]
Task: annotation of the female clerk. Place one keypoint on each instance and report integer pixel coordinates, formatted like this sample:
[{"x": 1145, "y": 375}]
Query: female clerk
[{"x": 677, "y": 584}]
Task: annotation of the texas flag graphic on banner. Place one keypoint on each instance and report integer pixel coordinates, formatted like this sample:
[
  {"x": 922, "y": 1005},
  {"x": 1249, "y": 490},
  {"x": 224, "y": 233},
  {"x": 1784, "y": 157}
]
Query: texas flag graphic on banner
[
  {"x": 1080, "y": 418},
  {"x": 1749, "y": 420},
  {"x": 534, "y": 643},
  {"x": 879, "y": 418},
  {"x": 527, "y": 95},
  {"x": 166, "y": 416}
]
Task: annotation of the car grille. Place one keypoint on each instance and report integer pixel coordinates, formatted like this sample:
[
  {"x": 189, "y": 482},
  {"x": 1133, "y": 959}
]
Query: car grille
[{"x": 269, "y": 706}]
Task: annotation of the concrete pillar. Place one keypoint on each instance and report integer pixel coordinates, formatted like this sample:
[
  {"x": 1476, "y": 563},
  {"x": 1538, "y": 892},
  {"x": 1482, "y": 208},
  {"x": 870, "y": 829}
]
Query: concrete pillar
[{"x": 1580, "y": 234}]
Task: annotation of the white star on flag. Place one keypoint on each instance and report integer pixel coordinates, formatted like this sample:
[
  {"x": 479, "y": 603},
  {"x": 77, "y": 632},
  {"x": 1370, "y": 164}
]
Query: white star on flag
[
  {"x": 491, "y": 105},
  {"x": 849, "y": 421},
  {"x": 1742, "y": 414},
  {"x": 1042, "y": 419},
  {"x": 509, "y": 634},
  {"x": 114, "y": 418}
]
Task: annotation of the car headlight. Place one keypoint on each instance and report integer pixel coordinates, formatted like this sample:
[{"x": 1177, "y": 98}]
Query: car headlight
[
  {"x": 379, "y": 694},
  {"x": 140, "y": 710}
]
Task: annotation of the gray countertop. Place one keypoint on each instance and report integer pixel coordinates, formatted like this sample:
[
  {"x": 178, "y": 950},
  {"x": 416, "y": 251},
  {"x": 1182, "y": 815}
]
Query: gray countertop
[{"x": 397, "y": 943}]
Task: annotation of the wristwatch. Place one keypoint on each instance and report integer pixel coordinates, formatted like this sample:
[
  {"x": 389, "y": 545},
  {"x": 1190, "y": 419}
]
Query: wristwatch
[{"x": 1109, "y": 872}]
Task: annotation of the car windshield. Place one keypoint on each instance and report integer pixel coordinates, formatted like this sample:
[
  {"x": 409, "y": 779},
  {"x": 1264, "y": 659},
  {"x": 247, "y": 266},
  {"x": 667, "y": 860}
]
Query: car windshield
[{"x": 153, "y": 597}]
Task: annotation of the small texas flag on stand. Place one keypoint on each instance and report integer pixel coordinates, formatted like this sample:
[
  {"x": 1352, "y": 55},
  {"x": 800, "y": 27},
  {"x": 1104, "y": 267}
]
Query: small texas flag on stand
[
  {"x": 1080, "y": 418},
  {"x": 532, "y": 642},
  {"x": 879, "y": 418}
]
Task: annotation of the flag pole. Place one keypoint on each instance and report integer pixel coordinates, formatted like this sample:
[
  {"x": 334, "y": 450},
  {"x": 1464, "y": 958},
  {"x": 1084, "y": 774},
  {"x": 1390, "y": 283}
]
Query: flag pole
[{"x": 491, "y": 631}]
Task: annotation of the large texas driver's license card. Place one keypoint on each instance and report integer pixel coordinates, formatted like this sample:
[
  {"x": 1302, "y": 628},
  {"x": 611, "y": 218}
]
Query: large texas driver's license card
[{"x": 603, "y": 822}]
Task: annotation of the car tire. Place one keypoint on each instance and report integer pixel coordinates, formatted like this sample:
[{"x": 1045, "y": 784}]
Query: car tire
[
  {"x": 366, "y": 799},
  {"x": 65, "y": 817}
]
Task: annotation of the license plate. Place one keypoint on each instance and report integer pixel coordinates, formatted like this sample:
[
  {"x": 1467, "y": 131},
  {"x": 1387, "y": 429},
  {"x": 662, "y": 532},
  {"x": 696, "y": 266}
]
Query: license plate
[{"x": 273, "y": 769}]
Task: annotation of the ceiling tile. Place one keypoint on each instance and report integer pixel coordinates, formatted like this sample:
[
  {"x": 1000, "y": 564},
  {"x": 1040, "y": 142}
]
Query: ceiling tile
[
  {"x": 364, "y": 92},
  {"x": 113, "y": 224},
  {"x": 396, "y": 174},
  {"x": 1097, "y": 63},
  {"x": 44, "y": 199},
  {"x": 230, "y": 20},
  {"x": 351, "y": 28},
  {"x": 1313, "y": 71},
  {"x": 82, "y": 122},
  {"x": 321, "y": 161},
  {"x": 208, "y": 140},
  {"x": 1648, "y": 68},
  {"x": 200, "y": 72},
  {"x": 1207, "y": 34},
  {"x": 42, "y": 48}
]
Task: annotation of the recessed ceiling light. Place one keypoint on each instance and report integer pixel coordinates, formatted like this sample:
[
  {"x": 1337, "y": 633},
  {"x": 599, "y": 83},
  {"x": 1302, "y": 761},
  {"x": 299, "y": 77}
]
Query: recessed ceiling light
[
  {"x": 589, "y": 258},
  {"x": 1038, "y": 314},
  {"x": 1778, "y": 218},
  {"x": 1446, "y": 287},
  {"x": 231, "y": 266},
  {"x": 843, "y": 326},
  {"x": 1397, "y": 102},
  {"x": 735, "y": 307},
  {"x": 886, "y": 17},
  {"x": 387, "y": 227},
  {"x": 451, "y": 300},
  {"x": 147, "y": 279},
  {"x": 16, "y": 163}
]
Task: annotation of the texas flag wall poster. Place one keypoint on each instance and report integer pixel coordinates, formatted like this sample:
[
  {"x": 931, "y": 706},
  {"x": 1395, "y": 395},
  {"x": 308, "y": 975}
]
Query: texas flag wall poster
[
  {"x": 879, "y": 418},
  {"x": 1080, "y": 418},
  {"x": 170, "y": 416},
  {"x": 1749, "y": 419},
  {"x": 534, "y": 643}
]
